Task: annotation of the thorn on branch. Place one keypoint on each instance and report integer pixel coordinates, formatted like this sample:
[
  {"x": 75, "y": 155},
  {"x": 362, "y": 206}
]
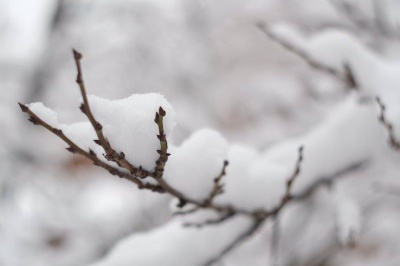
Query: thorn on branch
[
  {"x": 82, "y": 108},
  {"x": 33, "y": 120},
  {"x": 57, "y": 131},
  {"x": 91, "y": 152},
  {"x": 113, "y": 171},
  {"x": 71, "y": 150}
]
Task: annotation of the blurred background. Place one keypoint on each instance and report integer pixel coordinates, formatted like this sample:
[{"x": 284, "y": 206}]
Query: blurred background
[{"x": 207, "y": 57}]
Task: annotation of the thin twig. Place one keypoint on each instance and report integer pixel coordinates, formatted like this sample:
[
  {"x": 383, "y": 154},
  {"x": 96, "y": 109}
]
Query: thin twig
[
  {"x": 347, "y": 77},
  {"x": 185, "y": 212},
  {"x": 219, "y": 220},
  {"x": 257, "y": 223},
  {"x": 218, "y": 187},
  {"x": 261, "y": 216},
  {"x": 163, "y": 154},
  {"x": 328, "y": 180},
  {"x": 388, "y": 126},
  {"x": 288, "y": 193}
]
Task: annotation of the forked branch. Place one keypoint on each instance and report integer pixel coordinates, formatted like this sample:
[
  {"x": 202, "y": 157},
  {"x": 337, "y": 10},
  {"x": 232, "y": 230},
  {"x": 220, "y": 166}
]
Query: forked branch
[
  {"x": 91, "y": 155},
  {"x": 110, "y": 153}
]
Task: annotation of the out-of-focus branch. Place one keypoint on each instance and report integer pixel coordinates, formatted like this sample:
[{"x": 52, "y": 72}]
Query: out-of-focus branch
[
  {"x": 328, "y": 180},
  {"x": 347, "y": 77},
  {"x": 378, "y": 26},
  {"x": 288, "y": 195},
  {"x": 393, "y": 141},
  {"x": 219, "y": 220},
  {"x": 257, "y": 223}
]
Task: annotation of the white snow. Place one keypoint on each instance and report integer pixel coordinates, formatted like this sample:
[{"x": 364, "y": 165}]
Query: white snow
[
  {"x": 46, "y": 114},
  {"x": 348, "y": 221},
  {"x": 192, "y": 167},
  {"x": 129, "y": 125}
]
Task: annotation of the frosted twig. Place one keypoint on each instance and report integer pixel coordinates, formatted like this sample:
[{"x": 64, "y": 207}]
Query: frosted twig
[
  {"x": 388, "y": 126},
  {"x": 347, "y": 77}
]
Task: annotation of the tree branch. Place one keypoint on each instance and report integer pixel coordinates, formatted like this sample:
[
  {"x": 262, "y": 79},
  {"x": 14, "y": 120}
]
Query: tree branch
[
  {"x": 135, "y": 174},
  {"x": 387, "y": 125},
  {"x": 347, "y": 77},
  {"x": 257, "y": 223}
]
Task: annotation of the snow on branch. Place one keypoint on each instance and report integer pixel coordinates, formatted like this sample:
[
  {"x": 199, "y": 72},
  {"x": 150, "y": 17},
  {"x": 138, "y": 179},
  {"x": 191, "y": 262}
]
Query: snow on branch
[
  {"x": 161, "y": 172},
  {"x": 347, "y": 77},
  {"x": 126, "y": 169}
]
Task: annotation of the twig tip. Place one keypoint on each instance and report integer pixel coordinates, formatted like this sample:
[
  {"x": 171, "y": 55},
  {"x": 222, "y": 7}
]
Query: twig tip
[
  {"x": 77, "y": 55},
  {"x": 23, "y": 107}
]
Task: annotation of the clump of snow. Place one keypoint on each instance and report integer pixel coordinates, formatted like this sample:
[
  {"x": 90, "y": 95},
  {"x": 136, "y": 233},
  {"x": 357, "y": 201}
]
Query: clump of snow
[
  {"x": 44, "y": 113},
  {"x": 129, "y": 125},
  {"x": 192, "y": 167},
  {"x": 349, "y": 135},
  {"x": 251, "y": 183}
]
